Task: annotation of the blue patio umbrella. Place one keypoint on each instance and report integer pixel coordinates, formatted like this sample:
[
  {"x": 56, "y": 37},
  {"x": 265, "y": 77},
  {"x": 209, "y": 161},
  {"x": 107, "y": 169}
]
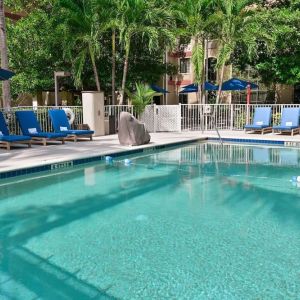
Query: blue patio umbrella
[
  {"x": 235, "y": 84},
  {"x": 210, "y": 87},
  {"x": 6, "y": 74},
  {"x": 193, "y": 88},
  {"x": 158, "y": 89},
  {"x": 188, "y": 90}
]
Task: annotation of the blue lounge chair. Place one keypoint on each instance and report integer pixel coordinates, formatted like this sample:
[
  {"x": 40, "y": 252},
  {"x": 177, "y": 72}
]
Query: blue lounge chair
[
  {"x": 289, "y": 121},
  {"x": 6, "y": 140},
  {"x": 61, "y": 125},
  {"x": 261, "y": 121},
  {"x": 31, "y": 127}
]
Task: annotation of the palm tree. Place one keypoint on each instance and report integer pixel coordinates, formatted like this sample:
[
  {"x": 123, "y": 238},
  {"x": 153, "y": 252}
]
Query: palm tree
[
  {"x": 149, "y": 19},
  {"x": 237, "y": 23},
  {"x": 83, "y": 26},
  {"x": 197, "y": 17},
  {"x": 110, "y": 22},
  {"x": 4, "y": 58},
  {"x": 113, "y": 68}
]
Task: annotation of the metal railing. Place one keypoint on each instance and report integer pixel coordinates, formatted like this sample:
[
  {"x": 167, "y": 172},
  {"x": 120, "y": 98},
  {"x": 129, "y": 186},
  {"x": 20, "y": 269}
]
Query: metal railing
[
  {"x": 200, "y": 116},
  {"x": 115, "y": 111},
  {"x": 227, "y": 116},
  {"x": 256, "y": 97},
  {"x": 190, "y": 117},
  {"x": 42, "y": 115}
]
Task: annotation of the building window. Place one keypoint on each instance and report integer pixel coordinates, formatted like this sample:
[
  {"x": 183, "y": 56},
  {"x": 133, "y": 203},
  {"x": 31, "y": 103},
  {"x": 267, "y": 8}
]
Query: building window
[
  {"x": 212, "y": 73},
  {"x": 183, "y": 98},
  {"x": 185, "y": 64}
]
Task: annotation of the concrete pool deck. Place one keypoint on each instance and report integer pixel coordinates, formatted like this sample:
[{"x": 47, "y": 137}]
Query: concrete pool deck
[{"x": 22, "y": 157}]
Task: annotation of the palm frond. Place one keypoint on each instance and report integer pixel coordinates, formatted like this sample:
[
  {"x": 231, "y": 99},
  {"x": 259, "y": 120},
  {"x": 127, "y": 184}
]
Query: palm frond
[{"x": 197, "y": 60}]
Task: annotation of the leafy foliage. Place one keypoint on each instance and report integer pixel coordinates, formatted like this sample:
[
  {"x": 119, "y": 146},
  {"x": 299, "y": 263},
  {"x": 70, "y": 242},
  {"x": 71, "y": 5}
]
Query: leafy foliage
[
  {"x": 239, "y": 24},
  {"x": 281, "y": 64},
  {"x": 35, "y": 52},
  {"x": 76, "y": 36},
  {"x": 142, "y": 97},
  {"x": 83, "y": 24},
  {"x": 29, "y": 6},
  {"x": 197, "y": 60},
  {"x": 196, "y": 17},
  {"x": 149, "y": 20}
]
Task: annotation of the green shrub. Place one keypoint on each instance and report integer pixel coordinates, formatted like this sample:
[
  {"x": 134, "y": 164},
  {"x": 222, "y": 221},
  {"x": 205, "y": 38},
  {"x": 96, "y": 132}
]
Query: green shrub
[{"x": 142, "y": 97}]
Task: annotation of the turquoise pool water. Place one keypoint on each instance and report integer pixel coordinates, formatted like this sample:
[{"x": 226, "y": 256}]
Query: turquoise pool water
[{"x": 197, "y": 222}]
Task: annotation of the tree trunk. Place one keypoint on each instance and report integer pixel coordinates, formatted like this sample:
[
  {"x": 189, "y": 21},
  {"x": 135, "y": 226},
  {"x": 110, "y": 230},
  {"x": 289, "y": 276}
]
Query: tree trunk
[
  {"x": 203, "y": 79},
  {"x": 220, "y": 84},
  {"x": 201, "y": 87},
  {"x": 95, "y": 70},
  {"x": 198, "y": 94},
  {"x": 4, "y": 58},
  {"x": 113, "y": 68},
  {"x": 125, "y": 72}
]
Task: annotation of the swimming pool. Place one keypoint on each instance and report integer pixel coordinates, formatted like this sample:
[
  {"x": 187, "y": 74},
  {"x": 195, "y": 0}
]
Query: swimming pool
[{"x": 194, "y": 222}]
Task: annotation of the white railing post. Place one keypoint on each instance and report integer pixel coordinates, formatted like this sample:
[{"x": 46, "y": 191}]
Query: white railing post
[
  {"x": 188, "y": 117},
  {"x": 154, "y": 118},
  {"x": 206, "y": 117},
  {"x": 179, "y": 117},
  {"x": 231, "y": 116}
]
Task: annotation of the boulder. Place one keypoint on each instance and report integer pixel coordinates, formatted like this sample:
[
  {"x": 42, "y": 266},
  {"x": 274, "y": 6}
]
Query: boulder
[{"x": 132, "y": 131}]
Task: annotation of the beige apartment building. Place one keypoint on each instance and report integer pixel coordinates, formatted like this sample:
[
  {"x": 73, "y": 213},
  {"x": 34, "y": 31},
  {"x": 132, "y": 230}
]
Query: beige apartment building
[{"x": 185, "y": 76}]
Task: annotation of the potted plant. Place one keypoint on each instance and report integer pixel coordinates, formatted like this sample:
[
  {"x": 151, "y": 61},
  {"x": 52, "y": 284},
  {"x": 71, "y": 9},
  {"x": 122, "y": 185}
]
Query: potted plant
[{"x": 140, "y": 98}]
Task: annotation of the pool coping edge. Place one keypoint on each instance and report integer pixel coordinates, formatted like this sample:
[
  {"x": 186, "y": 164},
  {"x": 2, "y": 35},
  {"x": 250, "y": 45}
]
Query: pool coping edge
[{"x": 52, "y": 166}]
